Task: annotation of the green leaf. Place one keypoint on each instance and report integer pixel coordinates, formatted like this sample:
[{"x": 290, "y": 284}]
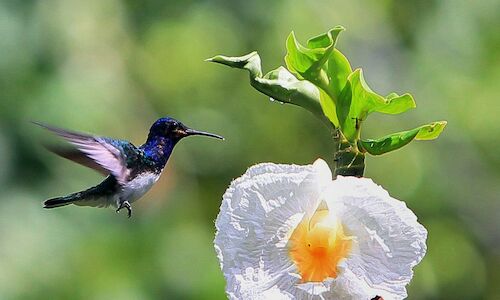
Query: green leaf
[
  {"x": 280, "y": 85},
  {"x": 357, "y": 100},
  {"x": 299, "y": 58},
  {"x": 306, "y": 62},
  {"x": 367, "y": 101},
  {"x": 397, "y": 140},
  {"x": 321, "y": 64},
  {"x": 396, "y": 104},
  {"x": 347, "y": 123},
  {"x": 364, "y": 100},
  {"x": 338, "y": 69},
  {"x": 430, "y": 131},
  {"x": 328, "y": 107},
  {"x": 325, "y": 40},
  {"x": 250, "y": 62}
]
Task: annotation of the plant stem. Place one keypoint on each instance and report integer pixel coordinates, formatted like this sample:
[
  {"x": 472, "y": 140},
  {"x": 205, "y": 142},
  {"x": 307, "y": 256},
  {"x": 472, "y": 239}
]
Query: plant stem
[{"x": 349, "y": 161}]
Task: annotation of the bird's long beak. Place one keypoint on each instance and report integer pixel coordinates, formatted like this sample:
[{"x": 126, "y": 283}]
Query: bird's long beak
[{"x": 190, "y": 131}]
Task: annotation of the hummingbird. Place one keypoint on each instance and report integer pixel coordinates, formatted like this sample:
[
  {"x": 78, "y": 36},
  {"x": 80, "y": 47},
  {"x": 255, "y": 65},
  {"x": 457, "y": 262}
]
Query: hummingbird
[{"x": 131, "y": 171}]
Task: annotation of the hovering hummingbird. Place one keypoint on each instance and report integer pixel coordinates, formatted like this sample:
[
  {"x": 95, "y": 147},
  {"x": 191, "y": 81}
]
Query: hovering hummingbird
[{"x": 131, "y": 170}]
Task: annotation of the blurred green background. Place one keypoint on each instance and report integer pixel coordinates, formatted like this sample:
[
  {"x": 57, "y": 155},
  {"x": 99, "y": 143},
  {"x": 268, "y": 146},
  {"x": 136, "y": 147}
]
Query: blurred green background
[{"x": 113, "y": 67}]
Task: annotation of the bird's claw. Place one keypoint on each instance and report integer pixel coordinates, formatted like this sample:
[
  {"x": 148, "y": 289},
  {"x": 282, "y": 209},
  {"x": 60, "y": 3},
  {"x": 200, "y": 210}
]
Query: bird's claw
[{"x": 125, "y": 204}]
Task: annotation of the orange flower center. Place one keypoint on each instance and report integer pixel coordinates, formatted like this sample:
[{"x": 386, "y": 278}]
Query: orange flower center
[{"x": 317, "y": 246}]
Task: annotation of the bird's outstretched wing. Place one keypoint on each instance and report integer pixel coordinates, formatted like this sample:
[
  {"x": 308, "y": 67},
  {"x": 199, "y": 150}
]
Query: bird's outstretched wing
[
  {"x": 77, "y": 156},
  {"x": 115, "y": 156}
]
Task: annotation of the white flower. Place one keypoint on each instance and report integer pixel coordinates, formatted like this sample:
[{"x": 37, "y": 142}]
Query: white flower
[{"x": 290, "y": 232}]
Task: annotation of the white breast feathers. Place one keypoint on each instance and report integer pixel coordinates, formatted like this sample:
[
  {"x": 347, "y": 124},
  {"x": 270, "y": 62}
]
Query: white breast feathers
[{"x": 138, "y": 186}]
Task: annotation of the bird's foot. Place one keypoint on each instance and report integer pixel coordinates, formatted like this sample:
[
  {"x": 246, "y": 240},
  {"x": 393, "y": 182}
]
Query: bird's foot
[{"x": 125, "y": 204}]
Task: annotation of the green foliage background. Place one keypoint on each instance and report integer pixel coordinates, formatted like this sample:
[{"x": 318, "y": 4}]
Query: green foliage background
[{"x": 113, "y": 67}]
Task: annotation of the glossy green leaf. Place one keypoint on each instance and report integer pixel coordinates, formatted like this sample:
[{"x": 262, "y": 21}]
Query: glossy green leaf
[
  {"x": 397, "y": 140},
  {"x": 347, "y": 123},
  {"x": 321, "y": 64},
  {"x": 367, "y": 101},
  {"x": 328, "y": 107},
  {"x": 357, "y": 100},
  {"x": 250, "y": 62},
  {"x": 364, "y": 100},
  {"x": 396, "y": 104},
  {"x": 306, "y": 62},
  {"x": 280, "y": 85},
  {"x": 430, "y": 131},
  {"x": 338, "y": 69},
  {"x": 299, "y": 58}
]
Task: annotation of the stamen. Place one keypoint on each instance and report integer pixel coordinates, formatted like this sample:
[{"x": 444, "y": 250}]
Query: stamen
[{"x": 317, "y": 246}]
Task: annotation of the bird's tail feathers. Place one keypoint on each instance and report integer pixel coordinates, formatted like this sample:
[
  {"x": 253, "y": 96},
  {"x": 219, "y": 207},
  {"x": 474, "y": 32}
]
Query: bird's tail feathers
[{"x": 62, "y": 201}]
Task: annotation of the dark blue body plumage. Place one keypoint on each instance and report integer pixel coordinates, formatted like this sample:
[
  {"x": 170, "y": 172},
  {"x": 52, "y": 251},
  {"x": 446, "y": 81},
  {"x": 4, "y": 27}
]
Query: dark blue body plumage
[{"x": 130, "y": 170}]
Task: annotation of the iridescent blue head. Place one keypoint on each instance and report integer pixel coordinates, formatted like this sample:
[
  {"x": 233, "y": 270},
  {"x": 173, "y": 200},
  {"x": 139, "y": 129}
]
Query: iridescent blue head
[{"x": 174, "y": 130}]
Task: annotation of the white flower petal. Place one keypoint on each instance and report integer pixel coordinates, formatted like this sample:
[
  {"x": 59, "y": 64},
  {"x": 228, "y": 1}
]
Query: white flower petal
[
  {"x": 258, "y": 212},
  {"x": 262, "y": 208},
  {"x": 389, "y": 240}
]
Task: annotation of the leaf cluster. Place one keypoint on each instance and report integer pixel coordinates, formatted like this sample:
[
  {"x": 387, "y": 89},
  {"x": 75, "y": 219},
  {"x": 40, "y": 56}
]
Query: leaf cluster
[{"x": 319, "y": 78}]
